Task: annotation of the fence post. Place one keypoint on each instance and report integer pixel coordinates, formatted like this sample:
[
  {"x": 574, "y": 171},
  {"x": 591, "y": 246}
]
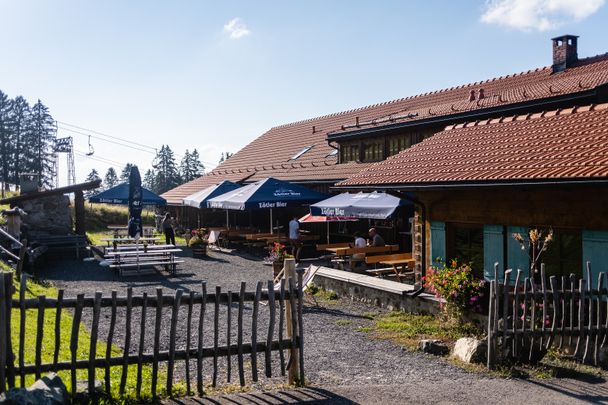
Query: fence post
[
  {"x": 301, "y": 324},
  {"x": 3, "y": 334},
  {"x": 292, "y": 372},
  {"x": 22, "y": 252},
  {"x": 490, "y": 356}
]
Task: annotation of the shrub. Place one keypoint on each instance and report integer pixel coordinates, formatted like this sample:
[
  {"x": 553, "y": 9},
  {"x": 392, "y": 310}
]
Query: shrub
[{"x": 455, "y": 283}]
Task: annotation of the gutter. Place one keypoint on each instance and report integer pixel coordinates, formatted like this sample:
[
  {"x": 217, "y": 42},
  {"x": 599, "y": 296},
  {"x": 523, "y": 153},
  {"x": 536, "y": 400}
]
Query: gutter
[
  {"x": 471, "y": 116},
  {"x": 431, "y": 186}
]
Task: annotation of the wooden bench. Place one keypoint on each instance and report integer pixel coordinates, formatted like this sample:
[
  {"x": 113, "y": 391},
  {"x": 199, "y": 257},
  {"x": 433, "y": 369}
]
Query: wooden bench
[
  {"x": 346, "y": 255},
  {"x": 396, "y": 261},
  {"x": 170, "y": 265},
  {"x": 327, "y": 246},
  {"x": 63, "y": 243}
]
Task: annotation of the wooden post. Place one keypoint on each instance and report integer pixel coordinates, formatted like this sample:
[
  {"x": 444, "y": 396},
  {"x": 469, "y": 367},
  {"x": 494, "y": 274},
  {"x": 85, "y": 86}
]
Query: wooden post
[
  {"x": 79, "y": 212},
  {"x": 22, "y": 253},
  {"x": 3, "y": 335},
  {"x": 293, "y": 371},
  {"x": 10, "y": 356}
]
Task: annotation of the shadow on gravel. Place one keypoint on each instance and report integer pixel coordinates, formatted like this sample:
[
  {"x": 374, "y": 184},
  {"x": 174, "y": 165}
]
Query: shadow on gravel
[
  {"x": 331, "y": 312},
  {"x": 592, "y": 390},
  {"x": 296, "y": 396}
]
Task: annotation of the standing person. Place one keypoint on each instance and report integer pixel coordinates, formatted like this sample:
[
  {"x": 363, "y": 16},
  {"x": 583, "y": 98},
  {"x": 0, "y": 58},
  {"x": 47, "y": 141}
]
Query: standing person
[
  {"x": 168, "y": 229},
  {"x": 375, "y": 239},
  {"x": 294, "y": 237}
]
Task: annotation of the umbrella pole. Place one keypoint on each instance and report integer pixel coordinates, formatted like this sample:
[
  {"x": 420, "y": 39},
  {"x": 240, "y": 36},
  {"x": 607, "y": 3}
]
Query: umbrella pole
[
  {"x": 227, "y": 220},
  {"x": 328, "y": 232},
  {"x": 271, "y": 230}
]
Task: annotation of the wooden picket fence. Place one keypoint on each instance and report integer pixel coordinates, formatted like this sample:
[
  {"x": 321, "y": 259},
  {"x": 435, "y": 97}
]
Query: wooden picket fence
[
  {"x": 284, "y": 303},
  {"x": 525, "y": 319}
]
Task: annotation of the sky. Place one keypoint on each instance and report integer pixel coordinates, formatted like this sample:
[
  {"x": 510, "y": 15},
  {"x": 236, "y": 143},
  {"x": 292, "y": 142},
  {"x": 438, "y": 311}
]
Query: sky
[{"x": 216, "y": 75}]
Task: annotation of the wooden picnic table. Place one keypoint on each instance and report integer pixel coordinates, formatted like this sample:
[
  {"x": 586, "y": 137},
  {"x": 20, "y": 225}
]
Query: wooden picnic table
[
  {"x": 396, "y": 262},
  {"x": 136, "y": 259},
  {"x": 111, "y": 241}
]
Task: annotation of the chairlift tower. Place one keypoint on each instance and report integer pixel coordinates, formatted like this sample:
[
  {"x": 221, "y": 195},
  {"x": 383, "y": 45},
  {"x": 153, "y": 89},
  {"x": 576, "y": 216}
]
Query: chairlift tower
[{"x": 65, "y": 145}]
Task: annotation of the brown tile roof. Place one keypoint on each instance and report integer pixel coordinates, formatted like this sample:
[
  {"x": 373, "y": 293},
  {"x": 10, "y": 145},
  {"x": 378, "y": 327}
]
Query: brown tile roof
[
  {"x": 269, "y": 154},
  {"x": 523, "y": 87},
  {"x": 569, "y": 144}
]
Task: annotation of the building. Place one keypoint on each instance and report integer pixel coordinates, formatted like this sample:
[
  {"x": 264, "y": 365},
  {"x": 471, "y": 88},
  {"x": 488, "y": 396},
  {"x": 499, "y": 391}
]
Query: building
[{"x": 364, "y": 145}]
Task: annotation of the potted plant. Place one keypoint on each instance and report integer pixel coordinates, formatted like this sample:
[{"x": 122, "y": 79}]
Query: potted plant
[
  {"x": 198, "y": 242},
  {"x": 276, "y": 256}
]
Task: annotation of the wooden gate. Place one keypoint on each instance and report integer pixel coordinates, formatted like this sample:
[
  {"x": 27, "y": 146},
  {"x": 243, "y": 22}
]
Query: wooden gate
[
  {"x": 283, "y": 332},
  {"x": 525, "y": 318}
]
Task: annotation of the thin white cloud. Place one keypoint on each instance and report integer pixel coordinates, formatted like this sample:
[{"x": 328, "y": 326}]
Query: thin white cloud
[
  {"x": 538, "y": 15},
  {"x": 236, "y": 29}
]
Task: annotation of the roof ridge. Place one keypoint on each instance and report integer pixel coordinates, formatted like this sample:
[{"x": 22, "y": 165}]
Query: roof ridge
[{"x": 530, "y": 116}]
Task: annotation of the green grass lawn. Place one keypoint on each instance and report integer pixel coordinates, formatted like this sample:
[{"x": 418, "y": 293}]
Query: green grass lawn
[{"x": 35, "y": 289}]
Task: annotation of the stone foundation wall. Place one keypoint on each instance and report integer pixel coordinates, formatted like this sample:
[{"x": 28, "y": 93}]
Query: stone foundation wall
[
  {"x": 423, "y": 304},
  {"x": 47, "y": 216}
]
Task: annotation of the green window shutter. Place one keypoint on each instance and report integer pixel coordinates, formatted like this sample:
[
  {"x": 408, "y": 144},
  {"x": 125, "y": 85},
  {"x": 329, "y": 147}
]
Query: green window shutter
[
  {"x": 595, "y": 251},
  {"x": 493, "y": 250},
  {"x": 517, "y": 258},
  {"x": 437, "y": 241}
]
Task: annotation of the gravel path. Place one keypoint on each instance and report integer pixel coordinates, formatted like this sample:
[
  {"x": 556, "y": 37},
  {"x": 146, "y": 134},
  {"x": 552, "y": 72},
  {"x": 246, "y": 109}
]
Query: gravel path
[{"x": 343, "y": 364}]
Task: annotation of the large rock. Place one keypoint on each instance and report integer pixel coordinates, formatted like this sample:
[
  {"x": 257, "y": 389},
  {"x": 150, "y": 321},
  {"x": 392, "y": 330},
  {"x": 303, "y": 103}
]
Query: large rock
[
  {"x": 49, "y": 390},
  {"x": 470, "y": 350},
  {"x": 433, "y": 346}
]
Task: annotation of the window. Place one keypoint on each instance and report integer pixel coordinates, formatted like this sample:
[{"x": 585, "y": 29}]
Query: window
[
  {"x": 564, "y": 254},
  {"x": 300, "y": 153},
  {"x": 373, "y": 151},
  {"x": 398, "y": 143},
  {"x": 349, "y": 153},
  {"x": 465, "y": 243}
]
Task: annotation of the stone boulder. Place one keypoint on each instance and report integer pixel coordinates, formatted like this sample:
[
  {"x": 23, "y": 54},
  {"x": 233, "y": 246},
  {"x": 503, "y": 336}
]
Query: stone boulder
[
  {"x": 470, "y": 350},
  {"x": 49, "y": 390},
  {"x": 433, "y": 346}
]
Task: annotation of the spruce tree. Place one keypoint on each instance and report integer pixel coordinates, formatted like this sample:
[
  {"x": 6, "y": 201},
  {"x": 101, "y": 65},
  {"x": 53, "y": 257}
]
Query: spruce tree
[
  {"x": 41, "y": 140},
  {"x": 21, "y": 127},
  {"x": 126, "y": 172},
  {"x": 149, "y": 180},
  {"x": 110, "y": 179},
  {"x": 93, "y": 175},
  {"x": 6, "y": 138},
  {"x": 198, "y": 166},
  {"x": 167, "y": 175}
]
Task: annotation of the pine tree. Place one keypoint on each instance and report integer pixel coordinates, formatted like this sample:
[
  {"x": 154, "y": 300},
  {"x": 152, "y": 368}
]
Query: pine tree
[
  {"x": 126, "y": 172},
  {"x": 41, "y": 140},
  {"x": 198, "y": 166},
  {"x": 111, "y": 179},
  {"x": 6, "y": 138},
  {"x": 191, "y": 167},
  {"x": 149, "y": 181},
  {"x": 93, "y": 175},
  {"x": 21, "y": 127},
  {"x": 167, "y": 175}
]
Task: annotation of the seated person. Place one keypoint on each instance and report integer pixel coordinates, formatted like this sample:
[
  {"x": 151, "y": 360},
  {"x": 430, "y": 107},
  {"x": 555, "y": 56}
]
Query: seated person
[
  {"x": 359, "y": 243},
  {"x": 375, "y": 238}
]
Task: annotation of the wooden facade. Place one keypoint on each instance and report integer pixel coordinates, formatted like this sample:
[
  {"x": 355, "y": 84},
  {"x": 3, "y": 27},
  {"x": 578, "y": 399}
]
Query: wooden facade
[{"x": 577, "y": 214}]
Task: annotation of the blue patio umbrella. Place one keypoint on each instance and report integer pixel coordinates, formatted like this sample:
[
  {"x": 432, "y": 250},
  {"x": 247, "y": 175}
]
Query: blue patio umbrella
[
  {"x": 360, "y": 205},
  {"x": 120, "y": 195},
  {"x": 135, "y": 203},
  {"x": 200, "y": 198},
  {"x": 269, "y": 193}
]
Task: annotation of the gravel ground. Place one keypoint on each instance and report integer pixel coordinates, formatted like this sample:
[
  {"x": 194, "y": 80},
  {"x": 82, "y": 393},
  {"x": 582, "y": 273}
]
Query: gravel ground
[{"x": 343, "y": 365}]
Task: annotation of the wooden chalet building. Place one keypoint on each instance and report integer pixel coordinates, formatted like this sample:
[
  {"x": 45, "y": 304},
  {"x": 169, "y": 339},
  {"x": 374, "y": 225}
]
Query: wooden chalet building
[{"x": 365, "y": 144}]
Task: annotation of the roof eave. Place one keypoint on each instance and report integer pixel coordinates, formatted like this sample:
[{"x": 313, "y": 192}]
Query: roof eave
[{"x": 469, "y": 184}]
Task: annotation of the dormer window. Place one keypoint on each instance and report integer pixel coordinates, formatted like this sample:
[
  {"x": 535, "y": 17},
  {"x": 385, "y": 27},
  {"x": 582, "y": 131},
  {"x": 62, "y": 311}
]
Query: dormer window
[{"x": 300, "y": 153}]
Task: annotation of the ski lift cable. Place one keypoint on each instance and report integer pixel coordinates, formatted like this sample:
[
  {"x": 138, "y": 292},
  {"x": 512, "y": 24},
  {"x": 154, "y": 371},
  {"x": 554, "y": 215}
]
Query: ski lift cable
[{"x": 106, "y": 135}]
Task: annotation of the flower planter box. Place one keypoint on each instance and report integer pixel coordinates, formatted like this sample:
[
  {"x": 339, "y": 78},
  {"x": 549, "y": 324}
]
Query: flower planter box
[
  {"x": 199, "y": 251},
  {"x": 277, "y": 267}
]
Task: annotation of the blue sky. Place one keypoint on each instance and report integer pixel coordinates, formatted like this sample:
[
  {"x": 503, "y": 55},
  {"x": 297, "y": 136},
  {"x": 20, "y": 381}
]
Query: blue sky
[{"x": 187, "y": 74}]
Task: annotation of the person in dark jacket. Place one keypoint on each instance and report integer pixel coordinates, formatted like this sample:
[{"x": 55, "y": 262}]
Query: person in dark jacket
[{"x": 168, "y": 229}]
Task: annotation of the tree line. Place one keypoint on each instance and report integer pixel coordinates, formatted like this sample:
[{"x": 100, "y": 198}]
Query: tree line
[
  {"x": 27, "y": 140},
  {"x": 164, "y": 174}
]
